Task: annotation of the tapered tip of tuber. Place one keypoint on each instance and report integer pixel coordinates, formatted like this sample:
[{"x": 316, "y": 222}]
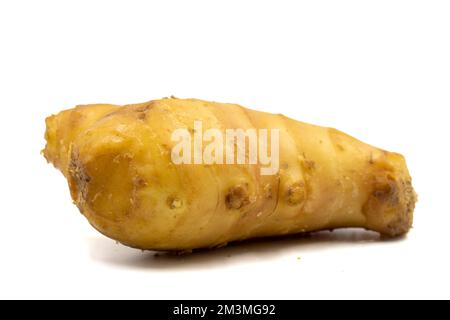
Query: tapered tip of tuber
[{"x": 390, "y": 206}]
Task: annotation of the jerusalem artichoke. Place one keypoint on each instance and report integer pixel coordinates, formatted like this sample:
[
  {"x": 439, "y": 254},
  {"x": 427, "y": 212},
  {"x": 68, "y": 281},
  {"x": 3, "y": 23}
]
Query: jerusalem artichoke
[{"x": 124, "y": 175}]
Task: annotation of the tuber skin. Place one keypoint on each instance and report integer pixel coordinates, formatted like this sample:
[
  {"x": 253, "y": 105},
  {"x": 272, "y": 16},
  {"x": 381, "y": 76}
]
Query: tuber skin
[{"x": 117, "y": 161}]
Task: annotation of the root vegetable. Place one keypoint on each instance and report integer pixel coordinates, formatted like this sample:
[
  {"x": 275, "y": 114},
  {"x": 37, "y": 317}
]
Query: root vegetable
[{"x": 118, "y": 163}]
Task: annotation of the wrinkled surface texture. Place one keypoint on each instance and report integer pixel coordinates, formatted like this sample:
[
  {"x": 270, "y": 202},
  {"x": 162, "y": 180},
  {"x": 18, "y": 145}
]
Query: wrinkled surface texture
[{"x": 117, "y": 160}]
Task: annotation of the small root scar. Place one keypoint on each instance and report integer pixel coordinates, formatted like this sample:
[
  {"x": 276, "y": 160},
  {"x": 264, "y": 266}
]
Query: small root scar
[
  {"x": 296, "y": 194},
  {"x": 174, "y": 202},
  {"x": 139, "y": 182},
  {"x": 237, "y": 197}
]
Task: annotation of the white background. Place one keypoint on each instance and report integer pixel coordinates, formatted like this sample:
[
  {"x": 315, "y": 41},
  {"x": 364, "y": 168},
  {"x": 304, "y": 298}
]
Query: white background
[{"x": 379, "y": 70}]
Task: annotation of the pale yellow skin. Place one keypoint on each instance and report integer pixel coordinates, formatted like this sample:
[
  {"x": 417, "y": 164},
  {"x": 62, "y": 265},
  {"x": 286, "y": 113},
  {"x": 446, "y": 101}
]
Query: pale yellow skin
[{"x": 117, "y": 160}]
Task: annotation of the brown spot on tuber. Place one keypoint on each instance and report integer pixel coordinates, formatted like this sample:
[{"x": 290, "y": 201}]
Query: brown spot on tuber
[
  {"x": 296, "y": 194},
  {"x": 237, "y": 197},
  {"x": 79, "y": 179},
  {"x": 310, "y": 165},
  {"x": 141, "y": 112},
  {"x": 307, "y": 164},
  {"x": 140, "y": 182},
  {"x": 386, "y": 190}
]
